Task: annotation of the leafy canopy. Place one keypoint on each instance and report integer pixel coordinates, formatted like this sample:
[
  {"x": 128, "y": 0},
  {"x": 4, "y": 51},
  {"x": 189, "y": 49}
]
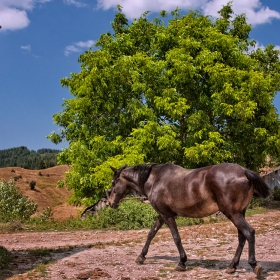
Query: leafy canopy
[{"x": 186, "y": 90}]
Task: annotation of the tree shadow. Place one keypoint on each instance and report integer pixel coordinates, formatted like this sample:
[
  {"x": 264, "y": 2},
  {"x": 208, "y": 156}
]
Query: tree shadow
[{"x": 23, "y": 261}]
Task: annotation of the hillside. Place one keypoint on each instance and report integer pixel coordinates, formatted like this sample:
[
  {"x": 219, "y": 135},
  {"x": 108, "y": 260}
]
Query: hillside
[{"x": 46, "y": 193}]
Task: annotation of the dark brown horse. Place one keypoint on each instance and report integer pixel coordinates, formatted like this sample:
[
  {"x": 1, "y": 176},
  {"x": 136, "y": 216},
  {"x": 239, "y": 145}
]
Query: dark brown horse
[{"x": 175, "y": 191}]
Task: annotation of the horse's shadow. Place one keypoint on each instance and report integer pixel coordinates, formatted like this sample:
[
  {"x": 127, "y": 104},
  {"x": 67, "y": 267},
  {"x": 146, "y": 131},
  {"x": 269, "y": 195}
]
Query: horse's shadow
[{"x": 214, "y": 264}]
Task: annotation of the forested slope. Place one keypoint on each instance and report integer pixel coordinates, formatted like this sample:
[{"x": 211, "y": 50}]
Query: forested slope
[{"x": 28, "y": 159}]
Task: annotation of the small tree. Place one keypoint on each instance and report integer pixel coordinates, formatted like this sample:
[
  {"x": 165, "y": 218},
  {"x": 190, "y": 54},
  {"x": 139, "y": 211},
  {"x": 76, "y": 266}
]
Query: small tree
[{"x": 14, "y": 205}]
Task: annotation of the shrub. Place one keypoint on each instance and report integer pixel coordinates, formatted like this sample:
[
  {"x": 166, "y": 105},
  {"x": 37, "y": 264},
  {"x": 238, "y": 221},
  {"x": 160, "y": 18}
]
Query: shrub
[
  {"x": 5, "y": 257},
  {"x": 46, "y": 214},
  {"x": 15, "y": 226},
  {"x": 131, "y": 214},
  {"x": 17, "y": 177},
  {"x": 14, "y": 205},
  {"x": 32, "y": 185},
  {"x": 256, "y": 202},
  {"x": 276, "y": 193}
]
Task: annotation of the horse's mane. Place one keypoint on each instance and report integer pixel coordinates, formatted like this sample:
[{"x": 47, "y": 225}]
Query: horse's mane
[{"x": 144, "y": 171}]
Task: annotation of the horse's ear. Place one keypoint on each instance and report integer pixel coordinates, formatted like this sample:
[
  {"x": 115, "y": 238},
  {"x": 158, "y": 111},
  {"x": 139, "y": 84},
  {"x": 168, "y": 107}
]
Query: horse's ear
[{"x": 115, "y": 170}]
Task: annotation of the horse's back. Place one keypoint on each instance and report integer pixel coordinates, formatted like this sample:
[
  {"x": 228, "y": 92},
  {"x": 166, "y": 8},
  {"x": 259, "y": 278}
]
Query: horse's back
[
  {"x": 200, "y": 192},
  {"x": 182, "y": 191}
]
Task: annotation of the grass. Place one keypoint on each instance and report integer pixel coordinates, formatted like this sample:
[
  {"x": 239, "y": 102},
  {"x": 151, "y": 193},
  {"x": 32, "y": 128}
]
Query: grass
[{"x": 40, "y": 271}]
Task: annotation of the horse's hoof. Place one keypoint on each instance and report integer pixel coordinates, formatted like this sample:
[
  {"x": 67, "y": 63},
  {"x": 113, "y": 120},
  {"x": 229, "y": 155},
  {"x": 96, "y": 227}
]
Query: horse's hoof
[
  {"x": 180, "y": 268},
  {"x": 140, "y": 260},
  {"x": 258, "y": 270},
  {"x": 230, "y": 270}
]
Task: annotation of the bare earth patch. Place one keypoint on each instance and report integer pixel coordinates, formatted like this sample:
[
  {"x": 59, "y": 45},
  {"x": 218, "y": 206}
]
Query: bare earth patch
[{"x": 112, "y": 254}]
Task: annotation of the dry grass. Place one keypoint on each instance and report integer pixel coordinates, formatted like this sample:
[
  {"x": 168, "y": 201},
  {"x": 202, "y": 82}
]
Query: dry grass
[{"x": 46, "y": 193}]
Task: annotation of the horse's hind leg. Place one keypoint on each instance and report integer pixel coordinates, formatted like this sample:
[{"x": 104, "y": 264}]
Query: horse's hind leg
[
  {"x": 157, "y": 225},
  {"x": 249, "y": 233},
  {"x": 236, "y": 259}
]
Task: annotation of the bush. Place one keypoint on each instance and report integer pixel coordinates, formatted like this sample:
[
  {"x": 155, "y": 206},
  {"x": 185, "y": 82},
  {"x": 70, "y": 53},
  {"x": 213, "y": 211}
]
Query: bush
[
  {"x": 276, "y": 193},
  {"x": 14, "y": 205},
  {"x": 46, "y": 215},
  {"x": 5, "y": 257},
  {"x": 131, "y": 214},
  {"x": 17, "y": 177},
  {"x": 15, "y": 226},
  {"x": 256, "y": 202},
  {"x": 32, "y": 185}
]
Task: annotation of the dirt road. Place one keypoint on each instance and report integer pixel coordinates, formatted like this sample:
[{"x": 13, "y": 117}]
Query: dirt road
[{"x": 112, "y": 254}]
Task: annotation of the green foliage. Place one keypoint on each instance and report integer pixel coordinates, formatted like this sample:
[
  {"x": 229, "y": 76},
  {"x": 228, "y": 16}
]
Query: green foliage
[
  {"x": 14, "y": 205},
  {"x": 182, "y": 221},
  {"x": 22, "y": 157},
  {"x": 186, "y": 91},
  {"x": 131, "y": 214},
  {"x": 46, "y": 215},
  {"x": 5, "y": 257},
  {"x": 276, "y": 193},
  {"x": 256, "y": 203}
]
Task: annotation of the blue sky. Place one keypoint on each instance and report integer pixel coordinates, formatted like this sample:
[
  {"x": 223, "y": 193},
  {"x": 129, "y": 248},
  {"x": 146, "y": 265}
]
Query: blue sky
[{"x": 41, "y": 40}]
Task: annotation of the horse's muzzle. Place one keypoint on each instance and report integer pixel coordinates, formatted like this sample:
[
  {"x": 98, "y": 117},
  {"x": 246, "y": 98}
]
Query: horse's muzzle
[{"x": 113, "y": 205}]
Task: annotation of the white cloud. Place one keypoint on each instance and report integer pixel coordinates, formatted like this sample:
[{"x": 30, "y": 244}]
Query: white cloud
[
  {"x": 12, "y": 19},
  {"x": 258, "y": 45},
  {"x": 134, "y": 9},
  {"x": 78, "y": 47},
  {"x": 26, "y": 48},
  {"x": 255, "y": 11},
  {"x": 13, "y": 13},
  {"x": 76, "y": 3}
]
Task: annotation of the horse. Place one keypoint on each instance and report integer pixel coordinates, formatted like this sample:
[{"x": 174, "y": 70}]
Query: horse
[{"x": 196, "y": 193}]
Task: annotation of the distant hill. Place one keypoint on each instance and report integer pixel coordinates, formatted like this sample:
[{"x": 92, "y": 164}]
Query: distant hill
[
  {"x": 46, "y": 192},
  {"x": 28, "y": 159}
]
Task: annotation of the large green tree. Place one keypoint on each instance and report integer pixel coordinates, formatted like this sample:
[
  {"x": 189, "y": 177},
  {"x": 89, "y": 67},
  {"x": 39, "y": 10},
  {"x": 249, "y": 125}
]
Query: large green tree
[{"x": 187, "y": 90}]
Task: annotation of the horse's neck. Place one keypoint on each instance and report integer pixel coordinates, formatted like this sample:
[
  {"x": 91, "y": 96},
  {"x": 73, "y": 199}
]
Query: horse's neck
[{"x": 132, "y": 178}]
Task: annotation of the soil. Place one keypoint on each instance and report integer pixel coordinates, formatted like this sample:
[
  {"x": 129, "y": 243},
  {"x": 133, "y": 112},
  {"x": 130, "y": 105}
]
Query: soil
[{"x": 112, "y": 254}]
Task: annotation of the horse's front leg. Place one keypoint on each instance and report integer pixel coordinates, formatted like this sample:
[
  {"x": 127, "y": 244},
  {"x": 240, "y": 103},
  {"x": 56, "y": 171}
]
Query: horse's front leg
[
  {"x": 170, "y": 221},
  {"x": 157, "y": 225}
]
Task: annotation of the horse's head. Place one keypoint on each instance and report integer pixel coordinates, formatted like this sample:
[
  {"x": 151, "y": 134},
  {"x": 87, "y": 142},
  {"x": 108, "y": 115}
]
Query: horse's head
[{"x": 120, "y": 188}]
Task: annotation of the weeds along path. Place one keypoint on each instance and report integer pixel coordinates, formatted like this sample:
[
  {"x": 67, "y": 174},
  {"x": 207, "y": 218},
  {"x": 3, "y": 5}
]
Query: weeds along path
[{"x": 112, "y": 254}]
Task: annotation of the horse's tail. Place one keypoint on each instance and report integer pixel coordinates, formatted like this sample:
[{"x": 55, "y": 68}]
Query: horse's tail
[{"x": 261, "y": 189}]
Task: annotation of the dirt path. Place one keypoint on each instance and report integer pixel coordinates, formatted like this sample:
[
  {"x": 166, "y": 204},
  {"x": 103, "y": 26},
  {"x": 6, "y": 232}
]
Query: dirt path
[{"x": 112, "y": 254}]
